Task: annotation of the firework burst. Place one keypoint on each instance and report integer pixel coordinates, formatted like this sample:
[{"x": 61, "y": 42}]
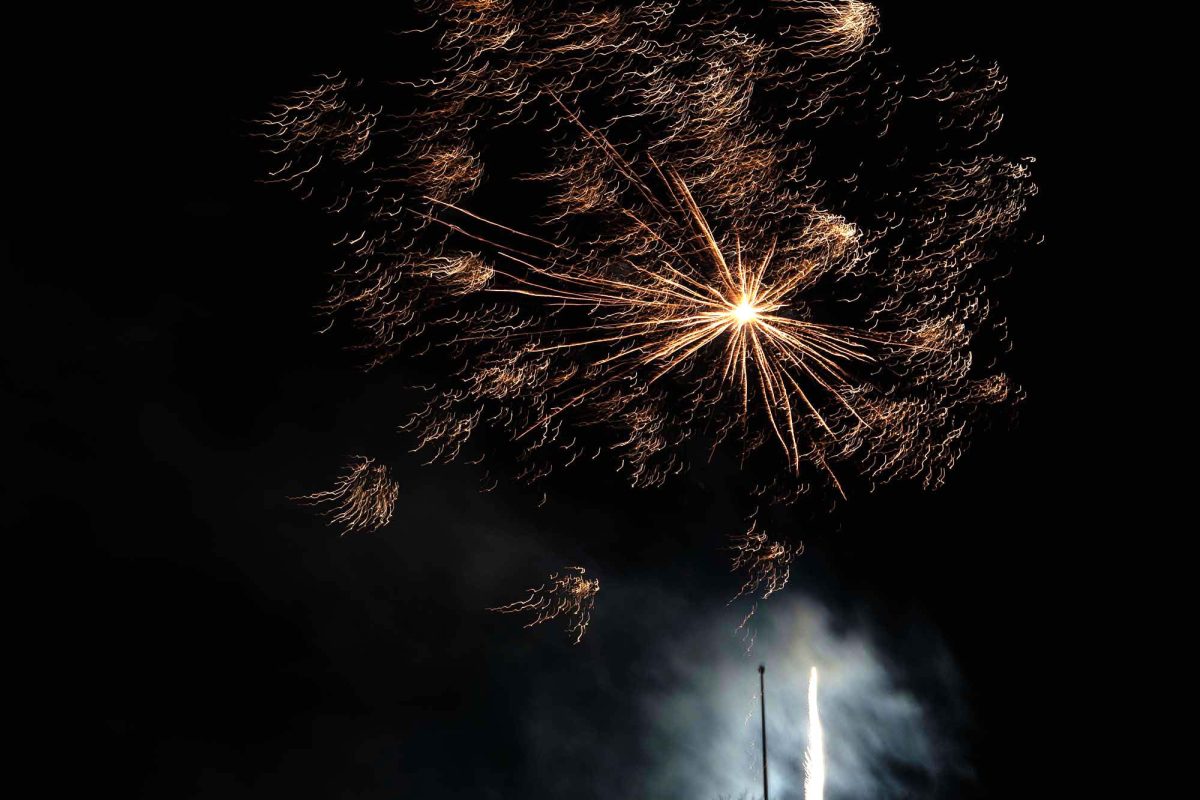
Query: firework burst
[
  {"x": 672, "y": 229},
  {"x": 697, "y": 259},
  {"x": 661, "y": 318}
]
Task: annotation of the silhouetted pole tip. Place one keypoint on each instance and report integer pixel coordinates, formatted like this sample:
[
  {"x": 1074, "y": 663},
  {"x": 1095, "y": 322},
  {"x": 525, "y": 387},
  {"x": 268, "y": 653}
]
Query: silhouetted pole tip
[{"x": 762, "y": 700}]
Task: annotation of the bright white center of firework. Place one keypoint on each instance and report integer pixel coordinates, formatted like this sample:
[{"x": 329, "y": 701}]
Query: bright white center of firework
[{"x": 745, "y": 312}]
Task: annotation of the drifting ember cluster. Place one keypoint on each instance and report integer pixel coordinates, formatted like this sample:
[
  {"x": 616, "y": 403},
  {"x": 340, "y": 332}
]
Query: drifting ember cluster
[
  {"x": 363, "y": 499},
  {"x": 639, "y": 232},
  {"x": 765, "y": 562},
  {"x": 567, "y": 593}
]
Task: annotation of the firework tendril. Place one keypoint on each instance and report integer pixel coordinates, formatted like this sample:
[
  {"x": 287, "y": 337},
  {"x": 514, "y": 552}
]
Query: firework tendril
[
  {"x": 567, "y": 594},
  {"x": 362, "y": 499},
  {"x": 766, "y": 563}
]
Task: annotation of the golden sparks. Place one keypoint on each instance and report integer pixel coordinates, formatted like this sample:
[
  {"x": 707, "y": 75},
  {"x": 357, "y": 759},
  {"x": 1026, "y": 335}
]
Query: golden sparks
[
  {"x": 362, "y": 499},
  {"x": 765, "y": 563},
  {"x": 669, "y": 230},
  {"x": 567, "y": 594}
]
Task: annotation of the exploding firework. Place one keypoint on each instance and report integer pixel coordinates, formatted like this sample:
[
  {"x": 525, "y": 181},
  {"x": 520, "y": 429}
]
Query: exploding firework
[
  {"x": 814, "y": 755},
  {"x": 740, "y": 226},
  {"x": 671, "y": 232},
  {"x": 363, "y": 499},
  {"x": 567, "y": 594},
  {"x": 657, "y": 321}
]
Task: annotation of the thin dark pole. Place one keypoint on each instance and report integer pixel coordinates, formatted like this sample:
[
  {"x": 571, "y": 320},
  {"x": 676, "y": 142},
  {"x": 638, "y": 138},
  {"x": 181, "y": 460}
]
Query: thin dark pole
[{"x": 762, "y": 697}]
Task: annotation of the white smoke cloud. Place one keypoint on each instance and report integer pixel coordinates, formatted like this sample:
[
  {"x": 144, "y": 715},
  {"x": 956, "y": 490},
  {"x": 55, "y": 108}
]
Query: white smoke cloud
[
  {"x": 890, "y": 707},
  {"x": 882, "y": 741}
]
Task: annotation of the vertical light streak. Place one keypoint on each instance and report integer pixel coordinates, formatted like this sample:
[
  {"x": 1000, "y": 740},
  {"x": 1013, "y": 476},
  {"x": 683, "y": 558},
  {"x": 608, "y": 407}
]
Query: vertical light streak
[{"x": 814, "y": 758}]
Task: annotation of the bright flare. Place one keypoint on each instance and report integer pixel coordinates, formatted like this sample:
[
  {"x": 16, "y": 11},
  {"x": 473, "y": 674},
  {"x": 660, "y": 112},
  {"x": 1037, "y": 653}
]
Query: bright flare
[
  {"x": 662, "y": 317},
  {"x": 744, "y": 312},
  {"x": 814, "y": 759}
]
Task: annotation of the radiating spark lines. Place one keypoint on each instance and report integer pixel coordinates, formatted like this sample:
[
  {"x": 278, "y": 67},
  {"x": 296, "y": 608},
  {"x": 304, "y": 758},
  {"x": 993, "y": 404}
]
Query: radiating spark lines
[{"x": 660, "y": 318}]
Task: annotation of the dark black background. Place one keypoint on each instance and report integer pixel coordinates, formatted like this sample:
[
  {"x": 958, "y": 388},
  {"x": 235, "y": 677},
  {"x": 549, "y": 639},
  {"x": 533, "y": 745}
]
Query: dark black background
[{"x": 169, "y": 392}]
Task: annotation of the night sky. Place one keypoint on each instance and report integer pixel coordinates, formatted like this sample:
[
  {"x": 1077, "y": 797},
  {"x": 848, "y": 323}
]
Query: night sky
[{"x": 170, "y": 392}]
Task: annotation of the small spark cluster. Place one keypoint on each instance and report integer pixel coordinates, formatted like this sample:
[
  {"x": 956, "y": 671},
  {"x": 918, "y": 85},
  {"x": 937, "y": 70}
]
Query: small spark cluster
[
  {"x": 564, "y": 594},
  {"x": 765, "y": 563},
  {"x": 362, "y": 499}
]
